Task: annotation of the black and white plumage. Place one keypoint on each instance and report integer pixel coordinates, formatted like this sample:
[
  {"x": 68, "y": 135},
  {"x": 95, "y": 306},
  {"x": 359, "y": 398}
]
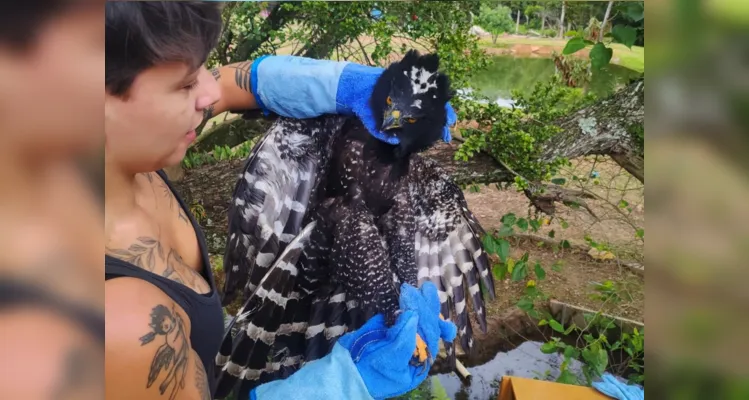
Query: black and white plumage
[{"x": 326, "y": 222}]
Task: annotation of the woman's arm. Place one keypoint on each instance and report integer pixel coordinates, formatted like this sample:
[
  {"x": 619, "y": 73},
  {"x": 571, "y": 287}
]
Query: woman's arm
[{"x": 234, "y": 81}]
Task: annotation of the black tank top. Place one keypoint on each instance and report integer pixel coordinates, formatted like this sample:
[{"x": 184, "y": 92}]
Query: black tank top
[
  {"x": 15, "y": 293},
  {"x": 204, "y": 310}
]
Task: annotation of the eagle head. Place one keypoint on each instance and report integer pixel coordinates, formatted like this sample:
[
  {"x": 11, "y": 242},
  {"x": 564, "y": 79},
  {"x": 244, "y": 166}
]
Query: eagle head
[{"x": 408, "y": 101}]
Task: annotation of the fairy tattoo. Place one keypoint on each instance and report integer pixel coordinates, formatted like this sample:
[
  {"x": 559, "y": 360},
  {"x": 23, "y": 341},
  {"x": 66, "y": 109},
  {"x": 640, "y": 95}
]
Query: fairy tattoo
[{"x": 171, "y": 357}]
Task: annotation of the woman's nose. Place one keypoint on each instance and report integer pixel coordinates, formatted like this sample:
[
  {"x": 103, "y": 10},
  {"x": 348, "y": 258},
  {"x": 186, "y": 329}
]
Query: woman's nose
[{"x": 210, "y": 90}]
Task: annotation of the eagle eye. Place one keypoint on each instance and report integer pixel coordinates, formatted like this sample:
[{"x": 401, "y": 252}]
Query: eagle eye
[
  {"x": 389, "y": 101},
  {"x": 411, "y": 120}
]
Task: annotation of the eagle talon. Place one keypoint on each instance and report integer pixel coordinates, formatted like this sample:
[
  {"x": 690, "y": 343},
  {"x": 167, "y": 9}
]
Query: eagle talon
[{"x": 421, "y": 356}]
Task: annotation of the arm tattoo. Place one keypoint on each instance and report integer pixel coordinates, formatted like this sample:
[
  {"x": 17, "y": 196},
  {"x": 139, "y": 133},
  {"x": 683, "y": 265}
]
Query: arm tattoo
[
  {"x": 168, "y": 333},
  {"x": 142, "y": 253},
  {"x": 201, "y": 380},
  {"x": 216, "y": 73},
  {"x": 242, "y": 74}
]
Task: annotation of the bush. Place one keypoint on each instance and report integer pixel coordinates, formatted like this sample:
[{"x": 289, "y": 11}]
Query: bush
[
  {"x": 549, "y": 33},
  {"x": 523, "y": 30}
]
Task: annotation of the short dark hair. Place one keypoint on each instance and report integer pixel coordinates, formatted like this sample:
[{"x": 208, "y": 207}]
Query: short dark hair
[
  {"x": 141, "y": 34},
  {"x": 21, "y": 21}
]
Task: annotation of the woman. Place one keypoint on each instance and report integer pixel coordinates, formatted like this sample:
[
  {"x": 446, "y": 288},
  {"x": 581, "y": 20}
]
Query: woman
[{"x": 163, "y": 315}]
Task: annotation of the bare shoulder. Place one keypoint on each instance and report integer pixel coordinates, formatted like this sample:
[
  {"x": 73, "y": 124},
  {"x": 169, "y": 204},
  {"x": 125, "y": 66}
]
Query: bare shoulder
[{"x": 148, "y": 352}]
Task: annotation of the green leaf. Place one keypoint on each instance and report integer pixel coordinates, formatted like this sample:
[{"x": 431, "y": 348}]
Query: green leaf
[
  {"x": 519, "y": 272},
  {"x": 566, "y": 244},
  {"x": 564, "y": 223},
  {"x": 571, "y": 352},
  {"x": 569, "y": 329},
  {"x": 558, "y": 181},
  {"x": 543, "y": 322},
  {"x": 548, "y": 348},
  {"x": 567, "y": 377},
  {"x": 535, "y": 225},
  {"x": 503, "y": 249},
  {"x": 556, "y": 326},
  {"x": 500, "y": 271},
  {"x": 509, "y": 219},
  {"x": 623, "y": 203},
  {"x": 551, "y": 234},
  {"x": 635, "y": 11},
  {"x": 522, "y": 223},
  {"x": 540, "y": 273},
  {"x": 574, "y": 45},
  {"x": 640, "y": 233},
  {"x": 490, "y": 244},
  {"x": 525, "y": 256},
  {"x": 525, "y": 305},
  {"x": 600, "y": 55},
  {"x": 624, "y": 34}
]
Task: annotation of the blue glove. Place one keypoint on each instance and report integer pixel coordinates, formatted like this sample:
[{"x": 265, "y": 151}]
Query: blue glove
[
  {"x": 373, "y": 362},
  {"x": 612, "y": 387},
  {"x": 383, "y": 356},
  {"x": 300, "y": 87}
]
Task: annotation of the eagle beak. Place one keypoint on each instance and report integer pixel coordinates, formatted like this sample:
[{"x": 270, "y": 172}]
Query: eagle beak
[{"x": 392, "y": 120}]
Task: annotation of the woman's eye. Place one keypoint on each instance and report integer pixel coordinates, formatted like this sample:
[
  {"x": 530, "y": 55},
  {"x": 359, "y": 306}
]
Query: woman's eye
[
  {"x": 389, "y": 101},
  {"x": 191, "y": 86},
  {"x": 411, "y": 120}
]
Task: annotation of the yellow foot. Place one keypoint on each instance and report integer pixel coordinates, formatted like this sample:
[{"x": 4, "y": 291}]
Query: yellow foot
[{"x": 421, "y": 354}]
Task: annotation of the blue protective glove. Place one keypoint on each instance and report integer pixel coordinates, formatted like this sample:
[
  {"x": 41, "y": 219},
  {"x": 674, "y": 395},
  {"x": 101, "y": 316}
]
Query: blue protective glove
[
  {"x": 373, "y": 362},
  {"x": 383, "y": 355},
  {"x": 300, "y": 87},
  {"x": 612, "y": 387}
]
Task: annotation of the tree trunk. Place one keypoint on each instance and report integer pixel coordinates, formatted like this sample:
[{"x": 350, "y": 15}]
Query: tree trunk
[
  {"x": 605, "y": 19},
  {"x": 605, "y": 128},
  {"x": 561, "y": 20},
  {"x": 494, "y": 38},
  {"x": 543, "y": 24},
  {"x": 517, "y": 23}
]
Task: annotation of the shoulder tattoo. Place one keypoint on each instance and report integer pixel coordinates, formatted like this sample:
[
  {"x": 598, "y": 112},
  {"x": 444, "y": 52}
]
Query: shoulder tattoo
[{"x": 168, "y": 339}]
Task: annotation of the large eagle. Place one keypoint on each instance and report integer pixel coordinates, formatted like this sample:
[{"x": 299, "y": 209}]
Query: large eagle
[{"x": 327, "y": 221}]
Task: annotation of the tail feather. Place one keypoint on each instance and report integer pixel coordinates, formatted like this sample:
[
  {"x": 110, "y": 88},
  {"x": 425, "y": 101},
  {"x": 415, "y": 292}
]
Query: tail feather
[
  {"x": 261, "y": 318},
  {"x": 461, "y": 257}
]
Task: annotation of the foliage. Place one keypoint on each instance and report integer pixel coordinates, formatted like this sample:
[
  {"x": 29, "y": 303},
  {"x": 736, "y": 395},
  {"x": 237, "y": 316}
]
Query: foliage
[
  {"x": 496, "y": 20},
  {"x": 515, "y": 136},
  {"x": 600, "y": 53},
  {"x": 429, "y": 389},
  {"x": 590, "y": 344},
  {"x": 353, "y": 31},
  {"x": 195, "y": 159},
  {"x": 549, "y": 32}
]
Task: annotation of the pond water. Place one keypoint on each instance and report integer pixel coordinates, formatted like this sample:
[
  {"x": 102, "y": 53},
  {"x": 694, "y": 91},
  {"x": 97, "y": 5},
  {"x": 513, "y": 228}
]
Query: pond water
[
  {"x": 525, "y": 361},
  {"x": 506, "y": 73}
]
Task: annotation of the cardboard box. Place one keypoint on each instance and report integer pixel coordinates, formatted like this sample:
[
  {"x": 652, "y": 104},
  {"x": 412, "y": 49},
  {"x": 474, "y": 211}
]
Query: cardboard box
[{"x": 515, "y": 388}]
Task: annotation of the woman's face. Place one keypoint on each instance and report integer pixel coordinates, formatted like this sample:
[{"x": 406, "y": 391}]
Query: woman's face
[
  {"x": 153, "y": 126},
  {"x": 51, "y": 92}
]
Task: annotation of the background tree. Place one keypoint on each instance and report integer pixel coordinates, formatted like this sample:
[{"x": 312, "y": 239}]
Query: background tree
[{"x": 496, "y": 20}]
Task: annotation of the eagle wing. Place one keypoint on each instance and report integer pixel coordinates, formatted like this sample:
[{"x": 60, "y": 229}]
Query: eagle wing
[
  {"x": 276, "y": 187},
  {"x": 270, "y": 258},
  {"x": 448, "y": 248}
]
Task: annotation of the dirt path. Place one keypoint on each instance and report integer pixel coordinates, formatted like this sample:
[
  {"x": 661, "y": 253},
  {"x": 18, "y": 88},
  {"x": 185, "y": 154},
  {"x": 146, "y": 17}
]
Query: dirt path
[{"x": 573, "y": 283}]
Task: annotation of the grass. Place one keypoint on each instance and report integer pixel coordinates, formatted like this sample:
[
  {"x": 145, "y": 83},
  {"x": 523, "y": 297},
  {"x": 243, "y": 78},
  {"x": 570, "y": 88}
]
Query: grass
[{"x": 633, "y": 58}]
